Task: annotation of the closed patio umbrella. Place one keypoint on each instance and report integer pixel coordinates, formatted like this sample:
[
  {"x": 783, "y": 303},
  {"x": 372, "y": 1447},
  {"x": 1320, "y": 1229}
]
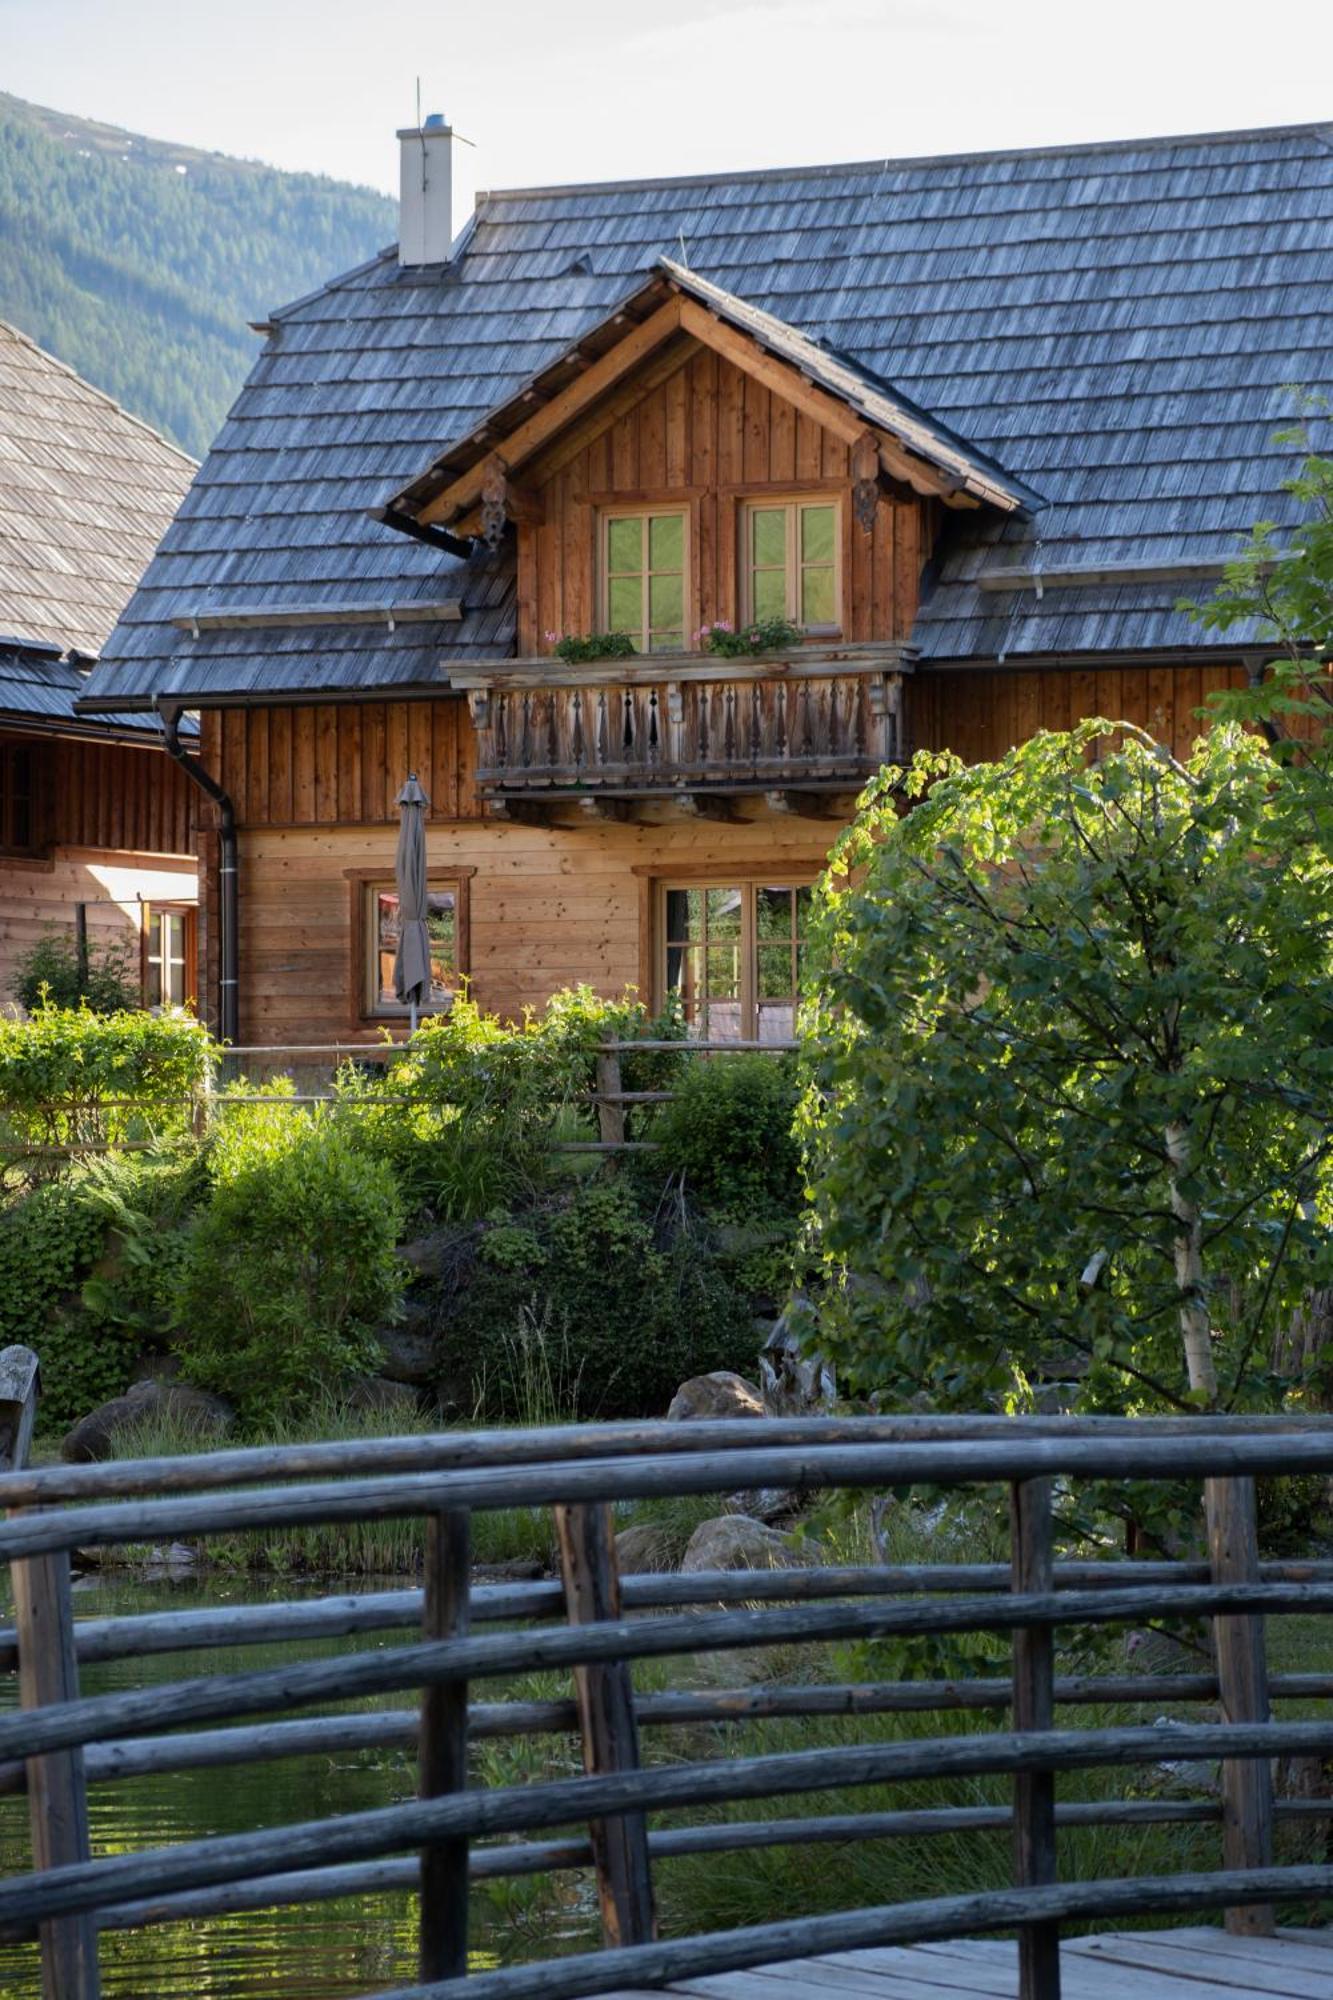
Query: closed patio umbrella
[{"x": 411, "y": 961}]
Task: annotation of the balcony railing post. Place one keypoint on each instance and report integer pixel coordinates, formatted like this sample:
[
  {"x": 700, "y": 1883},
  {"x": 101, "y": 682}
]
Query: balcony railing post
[
  {"x": 1242, "y": 1675},
  {"x": 1032, "y": 1561},
  {"x": 605, "y": 1698},
  {"x": 442, "y": 1750}
]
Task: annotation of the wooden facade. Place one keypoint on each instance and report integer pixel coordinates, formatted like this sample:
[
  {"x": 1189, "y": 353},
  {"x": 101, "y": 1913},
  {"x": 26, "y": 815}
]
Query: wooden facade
[
  {"x": 112, "y": 834},
  {"x": 564, "y": 799}
]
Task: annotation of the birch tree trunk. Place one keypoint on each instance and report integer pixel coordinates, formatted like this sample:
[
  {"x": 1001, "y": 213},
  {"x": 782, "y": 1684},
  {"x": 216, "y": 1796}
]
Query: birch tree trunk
[{"x": 1194, "y": 1328}]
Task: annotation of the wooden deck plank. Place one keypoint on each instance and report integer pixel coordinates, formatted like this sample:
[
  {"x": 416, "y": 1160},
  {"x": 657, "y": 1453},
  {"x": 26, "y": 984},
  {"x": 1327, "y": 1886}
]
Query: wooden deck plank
[{"x": 1193, "y": 1964}]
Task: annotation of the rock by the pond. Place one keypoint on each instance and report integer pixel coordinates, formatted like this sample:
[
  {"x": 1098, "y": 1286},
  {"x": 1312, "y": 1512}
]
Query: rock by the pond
[
  {"x": 643, "y": 1549},
  {"x": 92, "y": 1437},
  {"x": 376, "y": 1392},
  {"x": 735, "y": 1541},
  {"x": 431, "y": 1256},
  {"x": 766, "y": 1503},
  {"x": 721, "y": 1394},
  {"x": 407, "y": 1349}
]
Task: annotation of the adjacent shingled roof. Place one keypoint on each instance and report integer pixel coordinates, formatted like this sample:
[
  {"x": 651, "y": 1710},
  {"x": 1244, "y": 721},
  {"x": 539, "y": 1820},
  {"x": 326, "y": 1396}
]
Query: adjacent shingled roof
[
  {"x": 1115, "y": 325},
  {"x": 86, "y": 493},
  {"x": 38, "y": 690},
  {"x": 879, "y": 405}
]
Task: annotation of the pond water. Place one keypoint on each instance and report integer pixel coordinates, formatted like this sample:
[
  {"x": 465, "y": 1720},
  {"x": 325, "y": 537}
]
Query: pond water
[{"x": 323, "y": 1951}]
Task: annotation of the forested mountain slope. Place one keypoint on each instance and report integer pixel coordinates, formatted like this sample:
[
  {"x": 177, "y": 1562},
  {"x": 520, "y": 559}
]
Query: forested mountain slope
[{"x": 139, "y": 262}]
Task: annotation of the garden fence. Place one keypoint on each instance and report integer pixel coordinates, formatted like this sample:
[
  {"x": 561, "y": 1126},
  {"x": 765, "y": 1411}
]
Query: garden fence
[{"x": 593, "y": 1625}]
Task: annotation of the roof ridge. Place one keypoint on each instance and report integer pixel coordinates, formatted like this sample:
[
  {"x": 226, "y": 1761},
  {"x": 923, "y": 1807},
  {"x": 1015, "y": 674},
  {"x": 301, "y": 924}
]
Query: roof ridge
[
  {"x": 1318, "y": 128},
  {"x": 8, "y": 326}
]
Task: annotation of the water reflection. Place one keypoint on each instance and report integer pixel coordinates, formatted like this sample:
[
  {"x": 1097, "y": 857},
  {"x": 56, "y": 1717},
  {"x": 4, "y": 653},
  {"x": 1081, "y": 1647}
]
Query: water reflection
[{"x": 311, "y": 1952}]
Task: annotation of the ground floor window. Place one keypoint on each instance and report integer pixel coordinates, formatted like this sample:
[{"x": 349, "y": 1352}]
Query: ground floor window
[
  {"x": 730, "y": 952},
  {"x": 446, "y": 921},
  {"x": 169, "y": 955}
]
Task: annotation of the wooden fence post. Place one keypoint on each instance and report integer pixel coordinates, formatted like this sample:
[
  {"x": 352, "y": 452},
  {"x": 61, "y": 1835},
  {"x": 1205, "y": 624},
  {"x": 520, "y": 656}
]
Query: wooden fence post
[
  {"x": 48, "y": 1672},
  {"x": 1032, "y": 1564},
  {"x": 1242, "y": 1676},
  {"x": 442, "y": 1751},
  {"x": 605, "y": 1699},
  {"x": 610, "y": 1110}
]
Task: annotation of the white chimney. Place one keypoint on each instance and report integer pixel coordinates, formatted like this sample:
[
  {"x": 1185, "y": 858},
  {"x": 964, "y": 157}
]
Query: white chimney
[{"x": 433, "y": 203}]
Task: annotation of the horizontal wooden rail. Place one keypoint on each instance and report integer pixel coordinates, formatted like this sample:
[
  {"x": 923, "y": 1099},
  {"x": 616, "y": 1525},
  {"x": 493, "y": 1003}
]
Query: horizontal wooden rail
[
  {"x": 384, "y": 1830},
  {"x": 493, "y": 1487}
]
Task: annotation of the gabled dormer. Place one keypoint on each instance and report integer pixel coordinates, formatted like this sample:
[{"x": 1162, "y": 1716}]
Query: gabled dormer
[{"x": 691, "y": 463}]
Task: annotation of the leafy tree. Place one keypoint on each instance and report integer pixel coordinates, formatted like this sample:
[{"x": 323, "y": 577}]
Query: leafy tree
[
  {"x": 52, "y": 974},
  {"x": 1070, "y": 1075}
]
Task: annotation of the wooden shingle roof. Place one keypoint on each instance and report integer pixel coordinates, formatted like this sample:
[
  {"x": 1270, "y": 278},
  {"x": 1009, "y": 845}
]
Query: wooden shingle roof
[{"x": 1116, "y": 326}]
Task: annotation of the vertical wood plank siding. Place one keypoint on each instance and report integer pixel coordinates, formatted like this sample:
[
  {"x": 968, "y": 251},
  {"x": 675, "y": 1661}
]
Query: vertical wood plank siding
[
  {"x": 981, "y": 713},
  {"x": 116, "y": 796},
  {"x": 707, "y": 435},
  {"x": 332, "y": 764}
]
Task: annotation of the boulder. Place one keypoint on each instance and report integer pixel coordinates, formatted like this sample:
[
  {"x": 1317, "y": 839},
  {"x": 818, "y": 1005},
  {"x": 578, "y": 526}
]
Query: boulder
[
  {"x": 734, "y": 1541},
  {"x": 407, "y": 1348},
  {"x": 433, "y": 1256},
  {"x": 93, "y": 1436},
  {"x": 766, "y": 1503},
  {"x": 642, "y": 1549},
  {"x": 376, "y": 1392},
  {"x": 720, "y": 1394},
  {"x": 797, "y": 1380}
]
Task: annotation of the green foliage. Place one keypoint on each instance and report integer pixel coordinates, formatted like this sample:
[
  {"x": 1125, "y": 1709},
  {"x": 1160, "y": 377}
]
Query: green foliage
[
  {"x": 73, "y": 1078},
  {"x": 608, "y": 1300},
  {"x": 48, "y": 1243},
  {"x": 575, "y": 651},
  {"x": 143, "y": 277},
  {"x": 291, "y": 1263},
  {"x": 729, "y": 1134},
  {"x": 762, "y": 635},
  {"x": 49, "y": 974},
  {"x": 479, "y": 1100},
  {"x": 1070, "y": 1076}
]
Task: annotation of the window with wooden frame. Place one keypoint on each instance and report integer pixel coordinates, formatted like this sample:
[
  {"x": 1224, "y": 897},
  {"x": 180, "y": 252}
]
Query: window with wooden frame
[
  {"x": 447, "y": 924},
  {"x": 17, "y": 814},
  {"x": 643, "y": 576},
  {"x": 170, "y": 955},
  {"x": 791, "y": 562},
  {"x": 730, "y": 953}
]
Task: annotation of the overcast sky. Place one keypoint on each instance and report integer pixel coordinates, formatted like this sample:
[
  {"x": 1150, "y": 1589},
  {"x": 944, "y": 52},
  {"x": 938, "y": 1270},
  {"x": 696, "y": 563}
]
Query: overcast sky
[{"x": 558, "y": 90}]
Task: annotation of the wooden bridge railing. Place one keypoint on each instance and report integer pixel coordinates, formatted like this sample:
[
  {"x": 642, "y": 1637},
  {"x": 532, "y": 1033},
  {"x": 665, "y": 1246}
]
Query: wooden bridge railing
[{"x": 590, "y": 1624}]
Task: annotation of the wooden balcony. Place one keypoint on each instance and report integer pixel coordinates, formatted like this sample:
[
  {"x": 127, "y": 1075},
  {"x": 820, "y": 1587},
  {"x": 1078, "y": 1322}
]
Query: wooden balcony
[{"x": 808, "y": 725}]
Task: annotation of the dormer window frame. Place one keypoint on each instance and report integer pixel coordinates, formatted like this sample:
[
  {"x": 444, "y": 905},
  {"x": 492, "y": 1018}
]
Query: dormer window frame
[
  {"x": 674, "y": 506},
  {"x": 793, "y": 503}
]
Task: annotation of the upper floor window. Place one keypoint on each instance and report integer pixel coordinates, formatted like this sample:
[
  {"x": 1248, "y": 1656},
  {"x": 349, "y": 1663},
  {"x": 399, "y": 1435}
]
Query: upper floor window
[
  {"x": 643, "y": 578},
  {"x": 790, "y": 565}
]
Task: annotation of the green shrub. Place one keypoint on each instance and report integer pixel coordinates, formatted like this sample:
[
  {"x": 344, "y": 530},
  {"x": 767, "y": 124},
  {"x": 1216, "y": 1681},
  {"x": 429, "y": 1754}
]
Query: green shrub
[
  {"x": 467, "y": 1118},
  {"x": 729, "y": 1135},
  {"x": 50, "y": 974},
  {"x": 73, "y": 1078},
  {"x": 599, "y": 1304},
  {"x": 291, "y": 1263},
  {"x": 49, "y": 1241}
]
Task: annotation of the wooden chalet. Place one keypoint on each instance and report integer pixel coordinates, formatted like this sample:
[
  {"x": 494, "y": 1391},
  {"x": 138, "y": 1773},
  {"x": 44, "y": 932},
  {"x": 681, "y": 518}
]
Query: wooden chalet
[
  {"x": 96, "y": 820},
  {"x": 974, "y": 426}
]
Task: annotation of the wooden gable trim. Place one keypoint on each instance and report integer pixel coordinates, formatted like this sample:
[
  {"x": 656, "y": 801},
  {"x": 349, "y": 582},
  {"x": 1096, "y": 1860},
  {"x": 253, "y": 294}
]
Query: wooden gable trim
[{"x": 553, "y": 417}]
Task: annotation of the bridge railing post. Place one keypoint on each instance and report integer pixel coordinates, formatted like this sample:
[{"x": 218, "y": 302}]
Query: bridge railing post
[
  {"x": 1032, "y": 1563},
  {"x": 605, "y": 1698},
  {"x": 442, "y": 1746},
  {"x": 48, "y": 1673},
  {"x": 1242, "y": 1676}
]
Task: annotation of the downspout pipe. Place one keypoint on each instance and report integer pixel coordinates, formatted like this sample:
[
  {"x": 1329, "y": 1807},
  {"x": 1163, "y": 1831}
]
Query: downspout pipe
[{"x": 229, "y": 983}]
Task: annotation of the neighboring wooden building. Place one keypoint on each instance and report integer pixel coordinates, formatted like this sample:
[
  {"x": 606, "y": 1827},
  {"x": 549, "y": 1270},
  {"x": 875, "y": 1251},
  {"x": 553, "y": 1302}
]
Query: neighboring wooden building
[
  {"x": 96, "y": 821},
  {"x": 975, "y": 426}
]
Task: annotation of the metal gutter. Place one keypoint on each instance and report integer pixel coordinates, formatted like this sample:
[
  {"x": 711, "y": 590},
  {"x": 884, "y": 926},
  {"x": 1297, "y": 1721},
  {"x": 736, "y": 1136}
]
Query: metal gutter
[{"x": 228, "y": 901}]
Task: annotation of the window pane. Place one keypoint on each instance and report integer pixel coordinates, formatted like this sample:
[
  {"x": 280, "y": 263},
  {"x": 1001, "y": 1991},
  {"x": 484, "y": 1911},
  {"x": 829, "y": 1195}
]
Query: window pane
[
  {"x": 666, "y": 602},
  {"x": 774, "y": 972},
  {"x": 684, "y": 914},
  {"x": 817, "y": 597},
  {"x": 624, "y": 544},
  {"x": 817, "y": 534},
  {"x": 768, "y": 536},
  {"x": 624, "y": 605},
  {"x": 441, "y": 923},
  {"x": 768, "y": 595},
  {"x": 773, "y": 912},
  {"x": 776, "y": 1022},
  {"x": 725, "y": 908},
  {"x": 666, "y": 541}
]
